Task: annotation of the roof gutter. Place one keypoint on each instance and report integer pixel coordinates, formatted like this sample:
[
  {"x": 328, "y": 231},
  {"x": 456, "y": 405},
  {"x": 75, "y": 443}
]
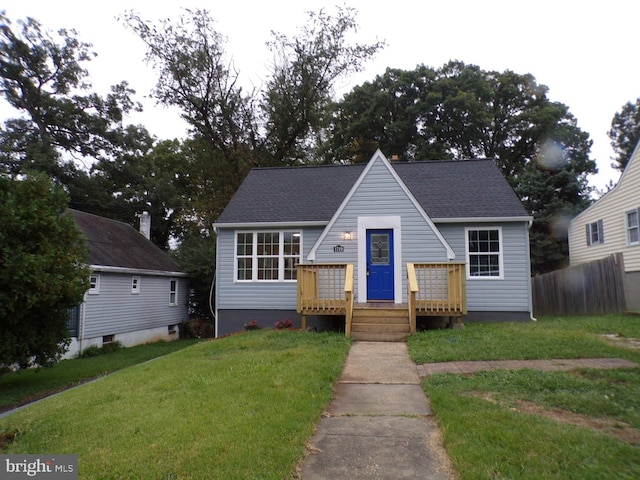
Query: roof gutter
[
  {"x": 136, "y": 271},
  {"x": 526, "y": 218},
  {"x": 314, "y": 223}
]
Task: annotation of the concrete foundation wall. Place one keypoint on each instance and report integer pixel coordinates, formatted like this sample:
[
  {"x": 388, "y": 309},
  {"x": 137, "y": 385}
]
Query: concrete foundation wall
[
  {"x": 233, "y": 321},
  {"x": 128, "y": 339}
]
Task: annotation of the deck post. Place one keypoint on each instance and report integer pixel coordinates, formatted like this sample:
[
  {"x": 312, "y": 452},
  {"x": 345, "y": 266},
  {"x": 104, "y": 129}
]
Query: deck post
[
  {"x": 412, "y": 289},
  {"x": 348, "y": 291}
]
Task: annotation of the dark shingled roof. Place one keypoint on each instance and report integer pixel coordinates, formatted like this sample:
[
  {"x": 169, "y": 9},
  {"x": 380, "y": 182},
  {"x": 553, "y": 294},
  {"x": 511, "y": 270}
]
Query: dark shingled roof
[
  {"x": 117, "y": 244},
  {"x": 444, "y": 189}
]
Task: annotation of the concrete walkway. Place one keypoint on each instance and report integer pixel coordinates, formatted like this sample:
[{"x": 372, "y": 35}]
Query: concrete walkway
[{"x": 380, "y": 425}]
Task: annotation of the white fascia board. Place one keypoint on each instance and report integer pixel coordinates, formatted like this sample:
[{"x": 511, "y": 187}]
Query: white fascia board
[
  {"x": 527, "y": 218},
  {"x": 135, "y": 271},
  {"x": 255, "y": 225}
]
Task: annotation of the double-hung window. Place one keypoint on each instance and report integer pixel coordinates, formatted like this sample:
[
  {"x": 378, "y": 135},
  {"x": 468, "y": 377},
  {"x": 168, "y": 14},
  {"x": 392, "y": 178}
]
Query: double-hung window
[
  {"x": 173, "y": 292},
  {"x": 633, "y": 227},
  {"x": 484, "y": 253},
  {"x": 135, "y": 285},
  {"x": 267, "y": 256},
  {"x": 595, "y": 232},
  {"x": 94, "y": 284}
]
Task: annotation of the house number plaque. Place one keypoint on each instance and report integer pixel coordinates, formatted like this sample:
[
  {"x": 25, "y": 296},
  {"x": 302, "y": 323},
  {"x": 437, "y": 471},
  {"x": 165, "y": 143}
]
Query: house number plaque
[{"x": 338, "y": 249}]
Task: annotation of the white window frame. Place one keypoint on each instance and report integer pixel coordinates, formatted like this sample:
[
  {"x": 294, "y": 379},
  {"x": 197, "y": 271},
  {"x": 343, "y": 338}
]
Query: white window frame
[
  {"x": 629, "y": 229},
  {"x": 173, "y": 292},
  {"x": 94, "y": 286},
  {"x": 595, "y": 233},
  {"x": 135, "y": 285},
  {"x": 499, "y": 254},
  {"x": 254, "y": 257}
]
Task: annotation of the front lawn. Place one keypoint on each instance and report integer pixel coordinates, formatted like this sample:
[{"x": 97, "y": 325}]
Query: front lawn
[
  {"x": 530, "y": 424},
  {"x": 18, "y": 388},
  {"x": 548, "y": 338},
  {"x": 235, "y": 408}
]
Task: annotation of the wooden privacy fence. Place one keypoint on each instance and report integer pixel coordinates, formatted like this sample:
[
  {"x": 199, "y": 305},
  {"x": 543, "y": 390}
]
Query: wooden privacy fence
[{"x": 593, "y": 288}]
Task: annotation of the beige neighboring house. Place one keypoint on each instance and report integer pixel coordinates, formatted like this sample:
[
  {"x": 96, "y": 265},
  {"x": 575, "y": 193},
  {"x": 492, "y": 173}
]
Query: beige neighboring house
[{"x": 612, "y": 225}]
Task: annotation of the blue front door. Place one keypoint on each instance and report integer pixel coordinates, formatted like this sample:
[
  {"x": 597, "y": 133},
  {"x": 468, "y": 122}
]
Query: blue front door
[{"x": 380, "y": 265}]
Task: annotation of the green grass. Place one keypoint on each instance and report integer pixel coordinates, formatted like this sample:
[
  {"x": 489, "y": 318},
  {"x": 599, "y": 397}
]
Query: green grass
[
  {"x": 21, "y": 387},
  {"x": 571, "y": 337},
  {"x": 240, "y": 407},
  {"x": 490, "y": 435}
]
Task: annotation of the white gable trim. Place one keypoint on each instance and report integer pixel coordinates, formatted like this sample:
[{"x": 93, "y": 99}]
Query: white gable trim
[{"x": 380, "y": 156}]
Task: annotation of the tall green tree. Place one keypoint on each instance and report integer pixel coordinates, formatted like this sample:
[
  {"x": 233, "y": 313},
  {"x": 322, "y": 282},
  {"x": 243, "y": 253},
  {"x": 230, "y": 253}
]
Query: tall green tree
[
  {"x": 461, "y": 111},
  {"x": 275, "y": 126},
  {"x": 42, "y": 254},
  {"x": 625, "y": 133},
  {"x": 151, "y": 177},
  {"x": 42, "y": 76}
]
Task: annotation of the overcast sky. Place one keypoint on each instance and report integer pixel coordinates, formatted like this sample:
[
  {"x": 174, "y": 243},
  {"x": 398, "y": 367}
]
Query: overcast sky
[{"x": 586, "y": 53}]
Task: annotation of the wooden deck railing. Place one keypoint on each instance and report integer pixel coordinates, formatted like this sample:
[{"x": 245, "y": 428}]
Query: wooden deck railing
[
  {"x": 325, "y": 289},
  {"x": 436, "y": 289},
  {"x": 432, "y": 289}
]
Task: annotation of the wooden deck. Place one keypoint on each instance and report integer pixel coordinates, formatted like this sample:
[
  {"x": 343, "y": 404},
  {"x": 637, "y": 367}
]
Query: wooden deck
[{"x": 433, "y": 289}]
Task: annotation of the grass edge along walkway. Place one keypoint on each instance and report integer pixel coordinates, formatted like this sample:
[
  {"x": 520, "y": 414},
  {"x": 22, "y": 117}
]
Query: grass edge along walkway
[
  {"x": 240, "y": 407},
  {"x": 489, "y": 434}
]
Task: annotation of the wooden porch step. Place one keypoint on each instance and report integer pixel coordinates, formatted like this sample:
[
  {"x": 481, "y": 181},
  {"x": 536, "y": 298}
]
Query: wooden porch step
[
  {"x": 380, "y": 323},
  {"x": 380, "y": 318},
  {"x": 379, "y": 337}
]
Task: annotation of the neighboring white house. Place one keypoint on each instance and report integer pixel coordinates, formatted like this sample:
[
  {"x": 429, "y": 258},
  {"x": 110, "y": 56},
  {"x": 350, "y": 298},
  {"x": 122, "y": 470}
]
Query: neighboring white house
[
  {"x": 380, "y": 218},
  {"x": 612, "y": 225},
  {"x": 137, "y": 292}
]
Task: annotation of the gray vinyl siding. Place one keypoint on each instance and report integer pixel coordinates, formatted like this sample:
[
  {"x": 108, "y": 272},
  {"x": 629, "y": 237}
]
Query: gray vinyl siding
[
  {"x": 509, "y": 294},
  {"x": 378, "y": 195},
  {"x": 116, "y": 310},
  {"x": 231, "y": 294}
]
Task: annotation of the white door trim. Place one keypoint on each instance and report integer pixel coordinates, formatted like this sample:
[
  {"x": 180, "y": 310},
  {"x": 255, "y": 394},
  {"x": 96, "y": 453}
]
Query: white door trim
[{"x": 379, "y": 223}]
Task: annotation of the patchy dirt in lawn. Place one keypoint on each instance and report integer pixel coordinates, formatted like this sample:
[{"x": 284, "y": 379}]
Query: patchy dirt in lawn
[
  {"x": 624, "y": 342},
  {"x": 6, "y": 439},
  {"x": 620, "y": 430}
]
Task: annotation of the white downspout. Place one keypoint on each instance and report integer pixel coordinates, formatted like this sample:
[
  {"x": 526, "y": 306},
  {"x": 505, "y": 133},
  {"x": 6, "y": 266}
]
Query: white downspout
[
  {"x": 81, "y": 326},
  {"x": 531, "y": 317},
  {"x": 213, "y": 283}
]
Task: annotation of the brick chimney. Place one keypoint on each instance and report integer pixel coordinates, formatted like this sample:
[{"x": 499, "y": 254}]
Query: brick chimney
[{"x": 145, "y": 225}]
